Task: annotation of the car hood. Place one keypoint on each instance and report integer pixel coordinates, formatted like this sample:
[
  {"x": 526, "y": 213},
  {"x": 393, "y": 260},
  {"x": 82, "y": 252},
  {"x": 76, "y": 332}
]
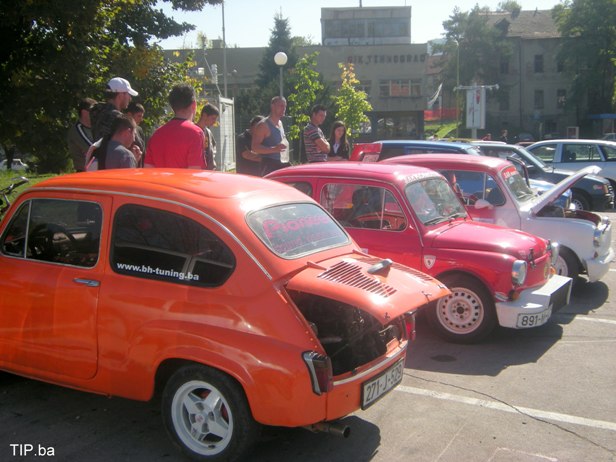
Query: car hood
[
  {"x": 550, "y": 196},
  {"x": 355, "y": 279},
  {"x": 484, "y": 237}
]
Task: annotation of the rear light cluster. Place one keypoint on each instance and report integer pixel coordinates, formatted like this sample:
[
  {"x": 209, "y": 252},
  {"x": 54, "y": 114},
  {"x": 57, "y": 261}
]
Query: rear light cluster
[
  {"x": 320, "y": 371},
  {"x": 409, "y": 323}
]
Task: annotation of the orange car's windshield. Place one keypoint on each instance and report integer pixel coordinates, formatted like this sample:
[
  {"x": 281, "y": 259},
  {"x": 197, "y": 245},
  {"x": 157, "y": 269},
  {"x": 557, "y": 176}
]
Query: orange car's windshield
[{"x": 294, "y": 230}]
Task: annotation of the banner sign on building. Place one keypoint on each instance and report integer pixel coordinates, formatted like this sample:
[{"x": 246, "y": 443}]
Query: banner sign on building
[{"x": 476, "y": 107}]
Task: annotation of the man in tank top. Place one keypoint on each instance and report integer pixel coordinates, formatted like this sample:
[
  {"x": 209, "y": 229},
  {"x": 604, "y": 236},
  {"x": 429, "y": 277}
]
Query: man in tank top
[{"x": 269, "y": 139}]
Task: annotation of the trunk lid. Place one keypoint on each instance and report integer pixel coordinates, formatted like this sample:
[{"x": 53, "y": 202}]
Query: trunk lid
[{"x": 380, "y": 287}]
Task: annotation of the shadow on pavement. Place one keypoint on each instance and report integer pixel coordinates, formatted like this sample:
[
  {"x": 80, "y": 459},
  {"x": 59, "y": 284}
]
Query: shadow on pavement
[{"x": 502, "y": 349}]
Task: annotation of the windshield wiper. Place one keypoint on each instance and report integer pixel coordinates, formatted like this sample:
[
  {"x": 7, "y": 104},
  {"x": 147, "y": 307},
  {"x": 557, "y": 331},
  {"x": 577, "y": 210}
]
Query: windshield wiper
[{"x": 436, "y": 220}]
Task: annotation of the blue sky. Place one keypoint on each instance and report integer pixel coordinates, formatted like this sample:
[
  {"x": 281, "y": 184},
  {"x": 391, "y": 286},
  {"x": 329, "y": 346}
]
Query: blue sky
[{"x": 248, "y": 23}]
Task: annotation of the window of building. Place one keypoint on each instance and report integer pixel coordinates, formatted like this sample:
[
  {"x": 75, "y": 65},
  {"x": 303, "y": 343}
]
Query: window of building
[
  {"x": 560, "y": 65},
  {"x": 56, "y": 231},
  {"x": 561, "y": 98},
  {"x": 504, "y": 66},
  {"x": 388, "y": 28},
  {"x": 503, "y": 100},
  {"x": 156, "y": 244},
  {"x": 400, "y": 88},
  {"x": 538, "y": 64},
  {"x": 538, "y": 99}
]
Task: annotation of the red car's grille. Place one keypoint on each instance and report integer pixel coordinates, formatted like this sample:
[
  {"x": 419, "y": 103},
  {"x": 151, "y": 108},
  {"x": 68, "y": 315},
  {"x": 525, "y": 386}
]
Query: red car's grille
[{"x": 351, "y": 275}]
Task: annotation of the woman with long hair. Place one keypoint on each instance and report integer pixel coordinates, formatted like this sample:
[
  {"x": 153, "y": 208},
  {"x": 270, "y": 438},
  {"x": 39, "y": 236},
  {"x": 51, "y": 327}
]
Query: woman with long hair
[{"x": 339, "y": 148}]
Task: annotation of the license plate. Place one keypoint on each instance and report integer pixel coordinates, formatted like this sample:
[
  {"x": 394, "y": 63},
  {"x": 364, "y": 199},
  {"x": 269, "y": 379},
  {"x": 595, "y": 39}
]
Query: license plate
[
  {"x": 377, "y": 387},
  {"x": 532, "y": 320}
]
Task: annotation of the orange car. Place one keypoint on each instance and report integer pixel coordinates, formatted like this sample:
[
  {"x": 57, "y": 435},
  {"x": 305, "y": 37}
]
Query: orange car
[{"x": 239, "y": 299}]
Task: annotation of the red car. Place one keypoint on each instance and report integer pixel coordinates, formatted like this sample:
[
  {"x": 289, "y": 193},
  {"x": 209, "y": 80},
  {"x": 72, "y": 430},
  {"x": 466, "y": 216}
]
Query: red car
[
  {"x": 410, "y": 214},
  {"x": 238, "y": 301}
]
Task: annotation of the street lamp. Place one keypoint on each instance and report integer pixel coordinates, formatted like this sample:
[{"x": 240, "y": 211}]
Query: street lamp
[{"x": 280, "y": 59}]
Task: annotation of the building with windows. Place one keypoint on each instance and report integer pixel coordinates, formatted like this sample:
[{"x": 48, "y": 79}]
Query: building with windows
[
  {"x": 398, "y": 77},
  {"x": 533, "y": 88}
]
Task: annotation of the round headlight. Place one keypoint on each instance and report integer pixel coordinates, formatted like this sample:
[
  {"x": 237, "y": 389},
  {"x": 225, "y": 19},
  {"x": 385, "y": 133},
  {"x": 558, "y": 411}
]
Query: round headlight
[{"x": 518, "y": 272}]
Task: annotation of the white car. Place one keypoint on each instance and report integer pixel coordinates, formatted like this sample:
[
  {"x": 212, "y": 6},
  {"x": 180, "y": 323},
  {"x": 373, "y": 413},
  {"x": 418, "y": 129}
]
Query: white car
[
  {"x": 575, "y": 154},
  {"x": 495, "y": 192},
  {"x": 17, "y": 165}
]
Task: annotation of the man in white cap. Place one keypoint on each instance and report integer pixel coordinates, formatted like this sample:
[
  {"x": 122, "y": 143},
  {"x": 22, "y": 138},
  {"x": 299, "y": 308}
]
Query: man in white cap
[{"x": 118, "y": 94}]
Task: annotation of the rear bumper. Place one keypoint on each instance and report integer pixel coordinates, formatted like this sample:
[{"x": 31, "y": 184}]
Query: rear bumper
[
  {"x": 535, "y": 306},
  {"x": 345, "y": 397}
]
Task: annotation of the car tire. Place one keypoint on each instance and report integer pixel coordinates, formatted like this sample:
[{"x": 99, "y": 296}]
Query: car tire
[
  {"x": 467, "y": 315},
  {"x": 567, "y": 263},
  {"x": 207, "y": 415},
  {"x": 580, "y": 200}
]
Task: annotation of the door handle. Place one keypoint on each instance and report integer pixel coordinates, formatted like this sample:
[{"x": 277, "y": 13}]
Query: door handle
[{"x": 87, "y": 282}]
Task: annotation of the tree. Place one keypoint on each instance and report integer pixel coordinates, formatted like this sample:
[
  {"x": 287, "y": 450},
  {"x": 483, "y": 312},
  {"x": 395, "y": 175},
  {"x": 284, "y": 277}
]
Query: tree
[
  {"x": 479, "y": 46},
  {"x": 351, "y": 103},
  {"x": 588, "y": 52},
  {"x": 306, "y": 86},
  {"x": 280, "y": 40},
  {"x": 55, "y": 53},
  {"x": 511, "y": 6}
]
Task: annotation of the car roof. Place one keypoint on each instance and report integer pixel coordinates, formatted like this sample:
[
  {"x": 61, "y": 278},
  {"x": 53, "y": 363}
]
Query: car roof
[
  {"x": 577, "y": 141},
  {"x": 192, "y": 187},
  {"x": 433, "y": 144},
  {"x": 447, "y": 161},
  {"x": 364, "y": 170}
]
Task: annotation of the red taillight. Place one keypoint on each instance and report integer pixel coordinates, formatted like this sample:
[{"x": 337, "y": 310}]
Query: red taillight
[
  {"x": 320, "y": 371},
  {"x": 361, "y": 149},
  {"x": 409, "y": 323}
]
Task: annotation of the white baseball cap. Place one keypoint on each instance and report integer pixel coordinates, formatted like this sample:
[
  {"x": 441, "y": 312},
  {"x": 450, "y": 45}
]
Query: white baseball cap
[{"x": 120, "y": 85}]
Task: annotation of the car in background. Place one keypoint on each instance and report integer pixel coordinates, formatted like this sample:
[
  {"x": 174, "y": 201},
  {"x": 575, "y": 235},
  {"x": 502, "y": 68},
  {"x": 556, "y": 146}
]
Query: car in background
[
  {"x": 523, "y": 137},
  {"x": 592, "y": 192},
  {"x": 239, "y": 301},
  {"x": 609, "y": 137},
  {"x": 497, "y": 276},
  {"x": 575, "y": 154},
  {"x": 17, "y": 165},
  {"x": 495, "y": 192},
  {"x": 381, "y": 150}
]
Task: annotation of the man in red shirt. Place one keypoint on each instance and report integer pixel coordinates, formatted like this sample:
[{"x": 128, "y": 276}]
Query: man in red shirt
[{"x": 179, "y": 143}]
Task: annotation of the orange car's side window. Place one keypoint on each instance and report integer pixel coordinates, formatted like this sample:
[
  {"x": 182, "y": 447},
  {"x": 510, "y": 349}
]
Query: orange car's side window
[
  {"x": 156, "y": 244},
  {"x": 56, "y": 231}
]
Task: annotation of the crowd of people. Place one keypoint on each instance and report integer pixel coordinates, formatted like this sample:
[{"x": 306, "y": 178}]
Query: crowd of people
[{"x": 108, "y": 135}]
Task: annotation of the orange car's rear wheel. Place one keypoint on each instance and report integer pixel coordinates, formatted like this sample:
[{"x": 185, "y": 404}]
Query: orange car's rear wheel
[{"x": 207, "y": 415}]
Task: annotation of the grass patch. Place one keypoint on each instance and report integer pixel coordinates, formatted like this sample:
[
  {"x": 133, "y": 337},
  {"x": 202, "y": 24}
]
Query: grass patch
[{"x": 6, "y": 178}]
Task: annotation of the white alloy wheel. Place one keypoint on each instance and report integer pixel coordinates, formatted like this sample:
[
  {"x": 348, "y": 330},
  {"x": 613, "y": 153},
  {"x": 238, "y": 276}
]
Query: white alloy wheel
[{"x": 202, "y": 417}]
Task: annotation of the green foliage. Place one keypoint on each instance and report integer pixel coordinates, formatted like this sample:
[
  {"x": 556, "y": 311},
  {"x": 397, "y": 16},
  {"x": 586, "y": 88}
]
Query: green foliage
[
  {"x": 511, "y": 6},
  {"x": 307, "y": 85},
  {"x": 351, "y": 103},
  {"x": 55, "y": 53},
  {"x": 280, "y": 40},
  {"x": 474, "y": 49},
  {"x": 588, "y": 51}
]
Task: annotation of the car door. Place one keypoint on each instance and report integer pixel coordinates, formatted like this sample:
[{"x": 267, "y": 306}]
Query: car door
[
  {"x": 51, "y": 266},
  {"x": 375, "y": 216}
]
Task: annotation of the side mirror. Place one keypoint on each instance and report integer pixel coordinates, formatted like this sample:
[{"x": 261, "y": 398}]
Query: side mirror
[{"x": 482, "y": 204}]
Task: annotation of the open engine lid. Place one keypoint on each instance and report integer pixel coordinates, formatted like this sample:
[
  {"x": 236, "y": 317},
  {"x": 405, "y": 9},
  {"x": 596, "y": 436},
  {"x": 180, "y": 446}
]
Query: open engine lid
[
  {"x": 378, "y": 286},
  {"x": 550, "y": 196}
]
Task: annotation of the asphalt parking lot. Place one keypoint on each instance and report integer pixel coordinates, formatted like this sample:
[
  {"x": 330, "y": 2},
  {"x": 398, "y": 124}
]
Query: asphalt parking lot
[{"x": 544, "y": 394}]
